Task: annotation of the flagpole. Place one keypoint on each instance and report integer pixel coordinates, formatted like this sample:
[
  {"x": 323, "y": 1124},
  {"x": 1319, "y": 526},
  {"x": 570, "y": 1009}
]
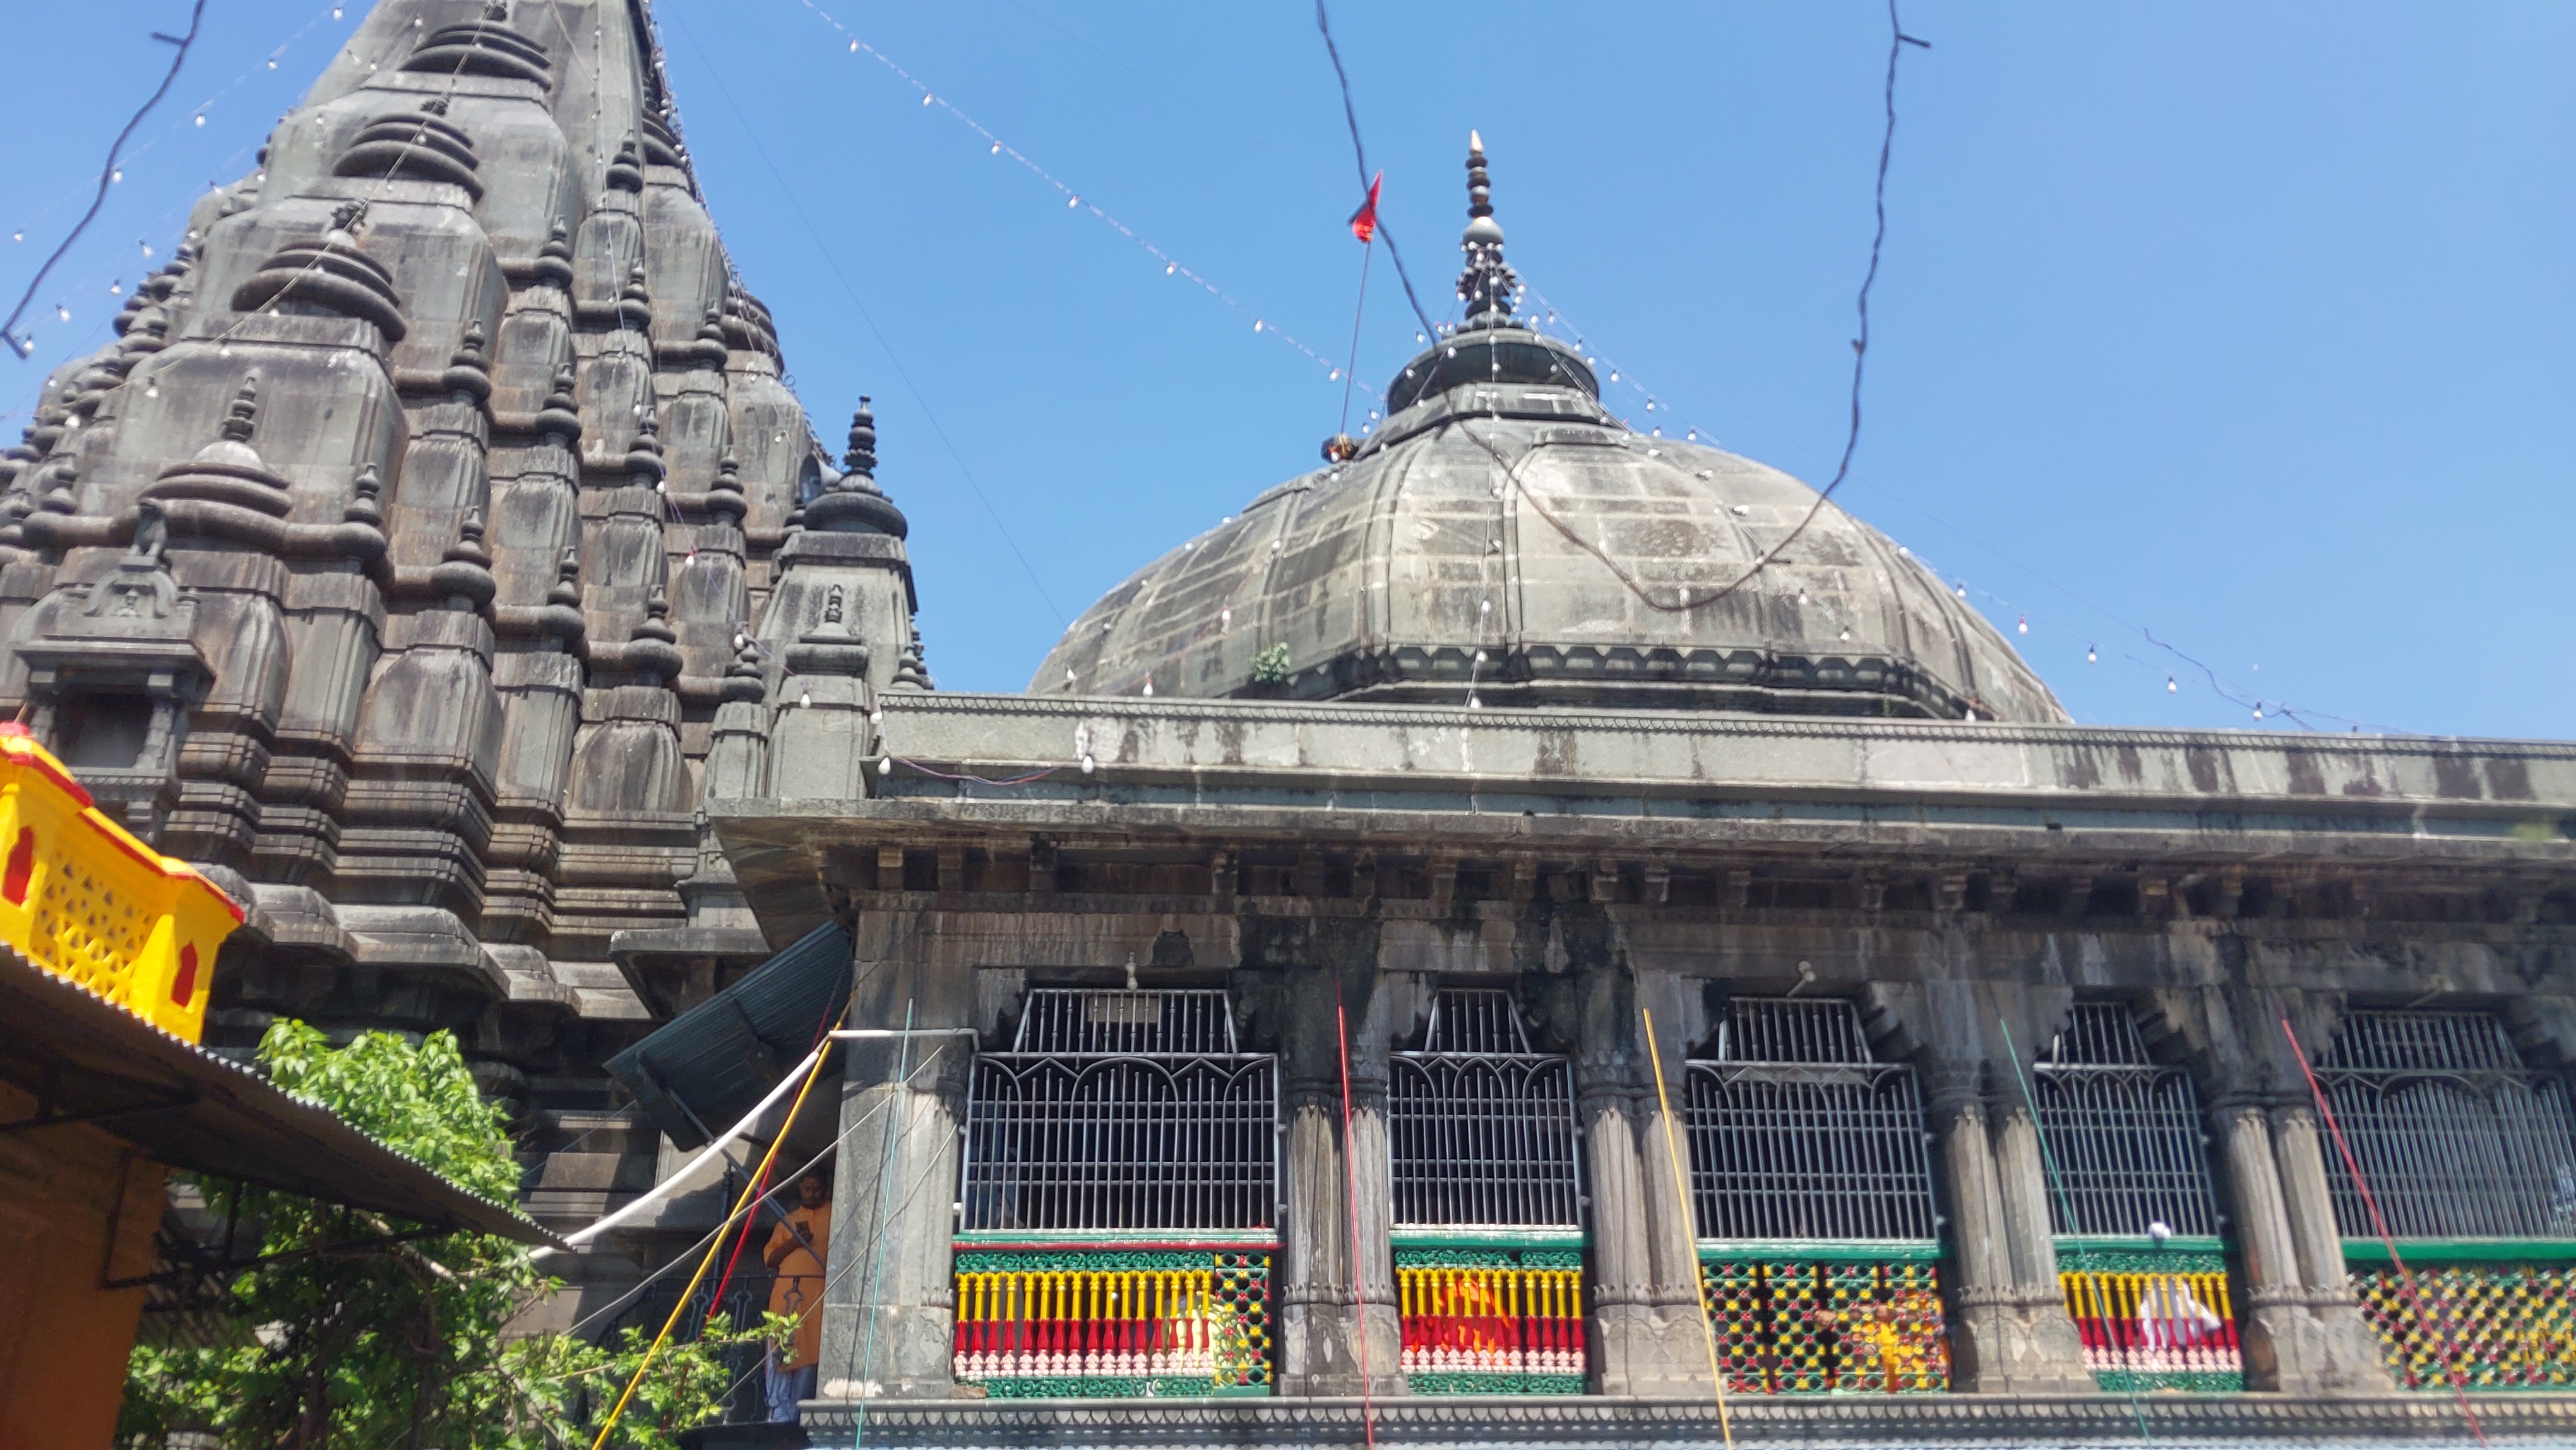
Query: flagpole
[{"x": 1368, "y": 250}]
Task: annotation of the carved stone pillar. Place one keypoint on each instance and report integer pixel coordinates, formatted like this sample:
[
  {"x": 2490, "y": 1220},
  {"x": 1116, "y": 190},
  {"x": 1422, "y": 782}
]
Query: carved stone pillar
[
  {"x": 1318, "y": 1302},
  {"x": 2053, "y": 1353},
  {"x": 1981, "y": 1256},
  {"x": 2338, "y": 1352},
  {"x": 1641, "y": 1307},
  {"x": 2009, "y": 1330},
  {"x": 1643, "y": 1342},
  {"x": 2272, "y": 1324},
  {"x": 889, "y": 1315}
]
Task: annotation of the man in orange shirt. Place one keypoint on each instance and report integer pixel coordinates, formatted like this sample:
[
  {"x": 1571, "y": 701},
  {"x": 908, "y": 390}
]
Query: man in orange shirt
[{"x": 797, "y": 1250}]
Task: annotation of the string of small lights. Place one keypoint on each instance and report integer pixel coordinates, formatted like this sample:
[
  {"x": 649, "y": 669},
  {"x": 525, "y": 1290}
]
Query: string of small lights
[
  {"x": 192, "y": 120},
  {"x": 109, "y": 174},
  {"x": 832, "y": 264},
  {"x": 353, "y": 214},
  {"x": 1074, "y": 200}
]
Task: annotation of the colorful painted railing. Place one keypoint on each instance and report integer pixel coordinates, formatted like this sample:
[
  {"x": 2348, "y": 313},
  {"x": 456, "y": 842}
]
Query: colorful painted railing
[
  {"x": 1812, "y": 1318},
  {"x": 2153, "y": 1318},
  {"x": 83, "y": 899},
  {"x": 1084, "y": 1321},
  {"x": 1488, "y": 1321},
  {"x": 2501, "y": 1325}
]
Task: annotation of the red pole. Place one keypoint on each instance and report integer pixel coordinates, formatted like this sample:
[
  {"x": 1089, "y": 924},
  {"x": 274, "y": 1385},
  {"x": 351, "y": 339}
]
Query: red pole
[{"x": 2405, "y": 1275}]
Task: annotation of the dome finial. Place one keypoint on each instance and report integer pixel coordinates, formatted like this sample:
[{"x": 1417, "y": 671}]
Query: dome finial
[{"x": 1486, "y": 285}]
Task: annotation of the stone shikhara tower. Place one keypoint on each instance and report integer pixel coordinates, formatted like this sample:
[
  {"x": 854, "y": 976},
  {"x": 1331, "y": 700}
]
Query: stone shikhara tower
[{"x": 428, "y": 548}]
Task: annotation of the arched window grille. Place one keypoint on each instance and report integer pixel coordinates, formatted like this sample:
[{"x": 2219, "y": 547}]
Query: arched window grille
[
  {"x": 1488, "y": 1207},
  {"x": 1481, "y": 1127},
  {"x": 2123, "y": 1133},
  {"x": 2124, "y": 1143},
  {"x": 1812, "y": 1190},
  {"x": 2456, "y": 1137},
  {"x": 1797, "y": 1132},
  {"x": 1122, "y": 1111}
]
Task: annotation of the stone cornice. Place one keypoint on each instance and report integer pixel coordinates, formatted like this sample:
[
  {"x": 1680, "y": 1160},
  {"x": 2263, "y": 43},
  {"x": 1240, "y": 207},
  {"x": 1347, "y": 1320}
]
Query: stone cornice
[
  {"x": 1657, "y": 722},
  {"x": 1551, "y": 1420},
  {"x": 1219, "y": 747}
]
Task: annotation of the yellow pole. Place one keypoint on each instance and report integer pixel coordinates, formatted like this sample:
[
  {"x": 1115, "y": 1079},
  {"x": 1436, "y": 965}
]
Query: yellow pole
[
  {"x": 741, "y": 1205},
  {"x": 1681, "y": 1193}
]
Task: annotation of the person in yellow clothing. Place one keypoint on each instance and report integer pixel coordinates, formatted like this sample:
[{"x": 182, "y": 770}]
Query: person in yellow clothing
[{"x": 798, "y": 1251}]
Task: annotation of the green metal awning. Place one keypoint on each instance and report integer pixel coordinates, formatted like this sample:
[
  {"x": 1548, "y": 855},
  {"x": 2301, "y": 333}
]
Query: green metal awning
[{"x": 710, "y": 1065}]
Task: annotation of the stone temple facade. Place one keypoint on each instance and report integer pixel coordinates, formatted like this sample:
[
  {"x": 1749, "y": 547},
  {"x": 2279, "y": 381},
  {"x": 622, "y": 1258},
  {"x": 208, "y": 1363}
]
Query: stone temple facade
[{"x": 1456, "y": 953}]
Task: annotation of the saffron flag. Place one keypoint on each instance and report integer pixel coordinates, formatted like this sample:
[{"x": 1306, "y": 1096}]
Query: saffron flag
[{"x": 1364, "y": 221}]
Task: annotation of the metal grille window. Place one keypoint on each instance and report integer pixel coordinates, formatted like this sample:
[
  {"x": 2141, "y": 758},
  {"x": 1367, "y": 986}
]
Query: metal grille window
[
  {"x": 2123, "y": 1133},
  {"x": 1481, "y": 1128},
  {"x": 2456, "y": 1137},
  {"x": 1797, "y": 1133},
  {"x": 1122, "y": 1111}
]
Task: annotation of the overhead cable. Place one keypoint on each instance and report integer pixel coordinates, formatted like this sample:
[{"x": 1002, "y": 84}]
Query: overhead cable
[{"x": 107, "y": 174}]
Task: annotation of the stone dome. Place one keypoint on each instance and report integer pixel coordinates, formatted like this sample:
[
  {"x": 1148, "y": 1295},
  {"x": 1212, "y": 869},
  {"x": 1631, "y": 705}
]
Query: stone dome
[{"x": 1504, "y": 540}]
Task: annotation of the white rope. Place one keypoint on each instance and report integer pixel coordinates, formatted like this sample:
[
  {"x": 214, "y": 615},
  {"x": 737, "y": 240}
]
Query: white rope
[{"x": 686, "y": 1177}]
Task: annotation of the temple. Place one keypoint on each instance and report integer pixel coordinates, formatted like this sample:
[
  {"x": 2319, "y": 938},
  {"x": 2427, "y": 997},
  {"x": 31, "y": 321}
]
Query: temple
[{"x": 1518, "y": 926}]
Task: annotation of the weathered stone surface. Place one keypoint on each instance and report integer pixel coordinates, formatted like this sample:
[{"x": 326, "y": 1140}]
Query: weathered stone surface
[{"x": 440, "y": 559}]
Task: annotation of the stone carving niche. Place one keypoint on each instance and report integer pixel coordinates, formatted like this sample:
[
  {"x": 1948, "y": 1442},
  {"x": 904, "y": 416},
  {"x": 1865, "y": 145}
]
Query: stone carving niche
[{"x": 112, "y": 672}]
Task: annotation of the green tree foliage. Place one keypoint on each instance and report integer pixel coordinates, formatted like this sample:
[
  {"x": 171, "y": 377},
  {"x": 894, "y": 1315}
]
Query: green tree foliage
[{"x": 402, "y": 1344}]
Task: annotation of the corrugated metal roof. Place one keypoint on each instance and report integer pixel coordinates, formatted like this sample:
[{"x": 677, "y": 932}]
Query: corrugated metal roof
[
  {"x": 710, "y": 1065},
  {"x": 87, "y": 1059}
]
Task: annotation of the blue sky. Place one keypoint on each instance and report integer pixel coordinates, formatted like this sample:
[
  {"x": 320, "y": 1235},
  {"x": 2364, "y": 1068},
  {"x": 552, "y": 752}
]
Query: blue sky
[{"x": 2250, "y": 327}]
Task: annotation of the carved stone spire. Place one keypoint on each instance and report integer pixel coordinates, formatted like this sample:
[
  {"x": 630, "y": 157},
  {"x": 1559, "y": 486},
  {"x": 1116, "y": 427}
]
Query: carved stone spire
[
  {"x": 861, "y": 460},
  {"x": 560, "y": 417},
  {"x": 468, "y": 376},
  {"x": 635, "y": 303},
  {"x": 854, "y": 504},
  {"x": 554, "y": 259}
]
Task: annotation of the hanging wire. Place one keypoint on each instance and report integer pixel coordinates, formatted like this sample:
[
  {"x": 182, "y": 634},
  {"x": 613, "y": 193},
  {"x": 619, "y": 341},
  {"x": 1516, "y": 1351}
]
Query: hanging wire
[
  {"x": 91, "y": 281},
  {"x": 1359, "y": 153},
  {"x": 107, "y": 176},
  {"x": 268, "y": 62},
  {"x": 616, "y": 1412},
  {"x": 1896, "y": 43}
]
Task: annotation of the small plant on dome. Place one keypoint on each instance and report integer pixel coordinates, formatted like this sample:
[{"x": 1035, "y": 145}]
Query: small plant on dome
[{"x": 1270, "y": 666}]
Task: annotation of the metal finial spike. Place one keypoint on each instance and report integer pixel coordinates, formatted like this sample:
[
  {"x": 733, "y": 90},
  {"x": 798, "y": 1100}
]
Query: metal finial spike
[
  {"x": 1480, "y": 190},
  {"x": 1486, "y": 284}
]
